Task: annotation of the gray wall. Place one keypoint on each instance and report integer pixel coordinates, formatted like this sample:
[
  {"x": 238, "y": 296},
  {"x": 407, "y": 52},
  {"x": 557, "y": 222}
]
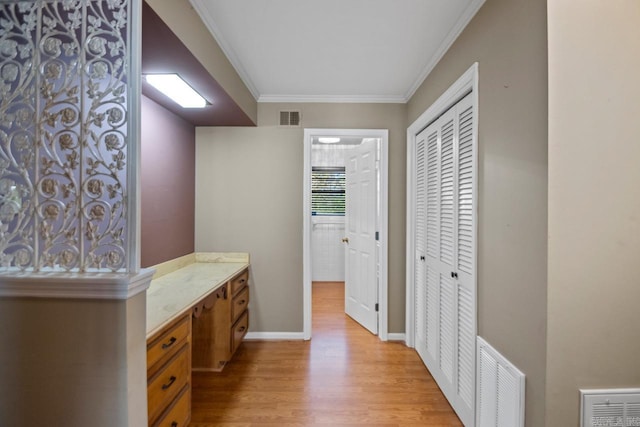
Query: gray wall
[
  {"x": 167, "y": 181},
  {"x": 237, "y": 209},
  {"x": 594, "y": 201},
  {"x": 508, "y": 40},
  {"x": 72, "y": 362}
]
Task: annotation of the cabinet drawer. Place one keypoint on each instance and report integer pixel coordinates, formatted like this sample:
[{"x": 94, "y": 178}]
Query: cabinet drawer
[
  {"x": 168, "y": 342},
  {"x": 239, "y": 330},
  {"x": 179, "y": 414},
  {"x": 239, "y": 303},
  {"x": 166, "y": 384},
  {"x": 239, "y": 282}
]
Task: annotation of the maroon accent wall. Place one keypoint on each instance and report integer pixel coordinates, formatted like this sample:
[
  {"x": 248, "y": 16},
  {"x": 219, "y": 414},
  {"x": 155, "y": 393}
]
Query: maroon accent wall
[{"x": 167, "y": 184}]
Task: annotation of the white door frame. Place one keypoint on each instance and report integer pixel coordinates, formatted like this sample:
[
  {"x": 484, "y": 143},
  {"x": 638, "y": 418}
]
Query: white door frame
[
  {"x": 468, "y": 82},
  {"x": 383, "y": 135}
]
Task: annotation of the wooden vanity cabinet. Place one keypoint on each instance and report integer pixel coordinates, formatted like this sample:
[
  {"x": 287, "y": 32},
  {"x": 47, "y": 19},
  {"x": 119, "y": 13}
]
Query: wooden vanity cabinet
[
  {"x": 169, "y": 374},
  {"x": 220, "y": 323}
]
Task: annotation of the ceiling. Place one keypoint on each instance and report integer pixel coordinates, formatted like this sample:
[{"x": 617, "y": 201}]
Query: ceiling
[{"x": 335, "y": 50}]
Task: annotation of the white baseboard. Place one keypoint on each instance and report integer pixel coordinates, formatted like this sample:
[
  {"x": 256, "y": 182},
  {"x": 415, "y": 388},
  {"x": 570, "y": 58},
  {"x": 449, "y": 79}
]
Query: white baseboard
[
  {"x": 397, "y": 337},
  {"x": 275, "y": 336}
]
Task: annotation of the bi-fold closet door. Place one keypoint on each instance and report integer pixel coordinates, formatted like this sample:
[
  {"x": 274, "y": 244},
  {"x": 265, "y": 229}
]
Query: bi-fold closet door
[{"x": 445, "y": 290}]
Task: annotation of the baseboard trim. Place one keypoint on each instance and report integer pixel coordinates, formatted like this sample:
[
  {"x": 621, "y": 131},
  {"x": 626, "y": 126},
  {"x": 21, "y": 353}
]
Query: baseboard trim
[
  {"x": 397, "y": 337},
  {"x": 274, "y": 336}
]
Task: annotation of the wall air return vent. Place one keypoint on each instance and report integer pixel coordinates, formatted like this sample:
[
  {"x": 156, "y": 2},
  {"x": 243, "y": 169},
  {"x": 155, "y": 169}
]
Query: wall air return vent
[
  {"x": 614, "y": 407},
  {"x": 500, "y": 389},
  {"x": 290, "y": 118}
]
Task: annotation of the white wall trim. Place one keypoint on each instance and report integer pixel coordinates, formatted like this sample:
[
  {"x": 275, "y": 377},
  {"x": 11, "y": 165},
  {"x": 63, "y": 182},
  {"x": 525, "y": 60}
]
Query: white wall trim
[
  {"x": 457, "y": 29},
  {"x": 383, "y": 289},
  {"x": 111, "y": 286},
  {"x": 335, "y": 99},
  {"x": 274, "y": 336},
  {"x": 468, "y": 82},
  {"x": 397, "y": 337}
]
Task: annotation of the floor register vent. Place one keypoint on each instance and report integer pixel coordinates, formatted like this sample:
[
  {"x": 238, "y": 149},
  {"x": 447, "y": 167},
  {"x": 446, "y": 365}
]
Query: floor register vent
[{"x": 610, "y": 408}]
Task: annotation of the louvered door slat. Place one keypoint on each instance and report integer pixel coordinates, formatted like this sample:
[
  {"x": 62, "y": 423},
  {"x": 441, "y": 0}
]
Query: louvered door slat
[
  {"x": 465, "y": 188},
  {"x": 432, "y": 194},
  {"x": 433, "y": 302},
  {"x": 446, "y": 327},
  {"x": 420, "y": 239},
  {"x": 466, "y": 346},
  {"x": 447, "y": 192}
]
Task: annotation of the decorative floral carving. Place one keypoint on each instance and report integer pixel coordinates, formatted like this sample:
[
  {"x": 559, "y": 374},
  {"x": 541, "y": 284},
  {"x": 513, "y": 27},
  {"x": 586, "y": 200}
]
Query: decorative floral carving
[
  {"x": 66, "y": 141},
  {"x": 115, "y": 115},
  {"x": 10, "y": 72},
  {"x": 111, "y": 141},
  {"x": 77, "y": 78},
  {"x": 51, "y": 46},
  {"x": 51, "y": 212},
  {"x": 53, "y": 70},
  {"x": 68, "y": 115},
  {"x": 48, "y": 187},
  {"x": 67, "y": 258},
  {"x": 97, "y": 213},
  {"x": 94, "y": 186},
  {"x": 22, "y": 257}
]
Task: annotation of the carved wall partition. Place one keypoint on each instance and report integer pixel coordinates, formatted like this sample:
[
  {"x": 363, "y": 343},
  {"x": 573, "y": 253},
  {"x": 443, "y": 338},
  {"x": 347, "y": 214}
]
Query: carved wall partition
[{"x": 67, "y": 121}]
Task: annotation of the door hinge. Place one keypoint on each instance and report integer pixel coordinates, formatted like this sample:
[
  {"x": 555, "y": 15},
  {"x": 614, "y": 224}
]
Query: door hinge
[
  {"x": 377, "y": 307},
  {"x": 377, "y": 235}
]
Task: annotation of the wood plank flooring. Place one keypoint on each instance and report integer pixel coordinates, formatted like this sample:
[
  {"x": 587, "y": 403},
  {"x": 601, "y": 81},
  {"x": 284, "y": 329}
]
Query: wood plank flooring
[{"x": 344, "y": 376}]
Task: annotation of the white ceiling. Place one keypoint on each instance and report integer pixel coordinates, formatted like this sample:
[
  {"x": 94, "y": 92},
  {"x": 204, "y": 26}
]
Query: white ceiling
[{"x": 335, "y": 50}]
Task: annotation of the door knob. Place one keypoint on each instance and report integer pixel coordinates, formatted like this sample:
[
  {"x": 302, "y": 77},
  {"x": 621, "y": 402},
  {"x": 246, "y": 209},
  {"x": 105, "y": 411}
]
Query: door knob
[{"x": 345, "y": 240}]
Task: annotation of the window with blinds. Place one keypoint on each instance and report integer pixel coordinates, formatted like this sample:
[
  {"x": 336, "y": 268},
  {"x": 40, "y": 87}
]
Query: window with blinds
[{"x": 327, "y": 191}]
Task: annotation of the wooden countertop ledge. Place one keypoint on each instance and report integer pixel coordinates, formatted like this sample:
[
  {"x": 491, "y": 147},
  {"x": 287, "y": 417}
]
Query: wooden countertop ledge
[{"x": 180, "y": 284}]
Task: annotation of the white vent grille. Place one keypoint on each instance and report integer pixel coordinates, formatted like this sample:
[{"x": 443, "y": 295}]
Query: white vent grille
[
  {"x": 615, "y": 408},
  {"x": 290, "y": 118},
  {"x": 500, "y": 386}
]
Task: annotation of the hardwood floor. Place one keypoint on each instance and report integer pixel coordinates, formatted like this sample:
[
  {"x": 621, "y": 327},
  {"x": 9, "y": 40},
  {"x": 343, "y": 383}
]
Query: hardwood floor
[{"x": 344, "y": 376}]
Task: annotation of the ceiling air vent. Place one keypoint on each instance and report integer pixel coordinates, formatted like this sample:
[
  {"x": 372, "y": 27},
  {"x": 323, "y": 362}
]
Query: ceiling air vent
[
  {"x": 290, "y": 118},
  {"x": 616, "y": 408}
]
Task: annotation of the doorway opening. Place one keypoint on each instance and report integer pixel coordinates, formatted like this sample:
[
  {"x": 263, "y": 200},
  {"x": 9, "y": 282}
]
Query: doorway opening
[{"x": 358, "y": 157}]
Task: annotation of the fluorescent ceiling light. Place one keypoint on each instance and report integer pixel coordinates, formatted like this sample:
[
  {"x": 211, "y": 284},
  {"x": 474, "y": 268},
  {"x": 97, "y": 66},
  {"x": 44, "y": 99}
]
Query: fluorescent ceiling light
[
  {"x": 328, "y": 140},
  {"x": 176, "y": 89}
]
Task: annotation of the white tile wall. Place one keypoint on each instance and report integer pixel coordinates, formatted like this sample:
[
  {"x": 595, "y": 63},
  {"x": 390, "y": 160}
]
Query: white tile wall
[
  {"x": 327, "y": 249},
  {"x": 327, "y": 232}
]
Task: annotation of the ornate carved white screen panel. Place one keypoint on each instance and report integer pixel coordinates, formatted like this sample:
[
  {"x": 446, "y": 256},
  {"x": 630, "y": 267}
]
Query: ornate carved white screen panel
[{"x": 67, "y": 121}]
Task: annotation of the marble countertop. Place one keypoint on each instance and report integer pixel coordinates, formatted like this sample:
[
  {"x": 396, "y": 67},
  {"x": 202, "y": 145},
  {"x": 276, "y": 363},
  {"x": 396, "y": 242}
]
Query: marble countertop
[{"x": 176, "y": 292}]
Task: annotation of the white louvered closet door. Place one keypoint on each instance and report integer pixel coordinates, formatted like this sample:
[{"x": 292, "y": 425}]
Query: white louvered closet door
[{"x": 445, "y": 271}]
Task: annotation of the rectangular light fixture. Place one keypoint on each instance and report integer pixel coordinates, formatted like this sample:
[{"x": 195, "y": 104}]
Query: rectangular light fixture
[{"x": 176, "y": 89}]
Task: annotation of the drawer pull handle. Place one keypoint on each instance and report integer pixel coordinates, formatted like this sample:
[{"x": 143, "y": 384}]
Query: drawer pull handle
[
  {"x": 242, "y": 328},
  {"x": 174, "y": 424},
  {"x": 169, "y": 344},
  {"x": 242, "y": 302},
  {"x": 171, "y": 381},
  {"x": 242, "y": 280}
]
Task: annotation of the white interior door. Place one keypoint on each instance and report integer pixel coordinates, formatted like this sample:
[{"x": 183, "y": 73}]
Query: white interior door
[
  {"x": 445, "y": 305},
  {"x": 361, "y": 284}
]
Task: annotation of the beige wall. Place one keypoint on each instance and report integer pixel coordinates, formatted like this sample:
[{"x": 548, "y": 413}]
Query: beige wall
[
  {"x": 508, "y": 40},
  {"x": 594, "y": 201},
  {"x": 237, "y": 170},
  {"x": 183, "y": 20},
  {"x": 75, "y": 363}
]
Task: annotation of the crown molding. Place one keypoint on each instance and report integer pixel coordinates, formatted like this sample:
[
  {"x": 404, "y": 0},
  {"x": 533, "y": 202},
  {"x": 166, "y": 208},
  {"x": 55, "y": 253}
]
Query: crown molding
[
  {"x": 335, "y": 99},
  {"x": 462, "y": 23},
  {"x": 209, "y": 22},
  {"x": 110, "y": 286}
]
